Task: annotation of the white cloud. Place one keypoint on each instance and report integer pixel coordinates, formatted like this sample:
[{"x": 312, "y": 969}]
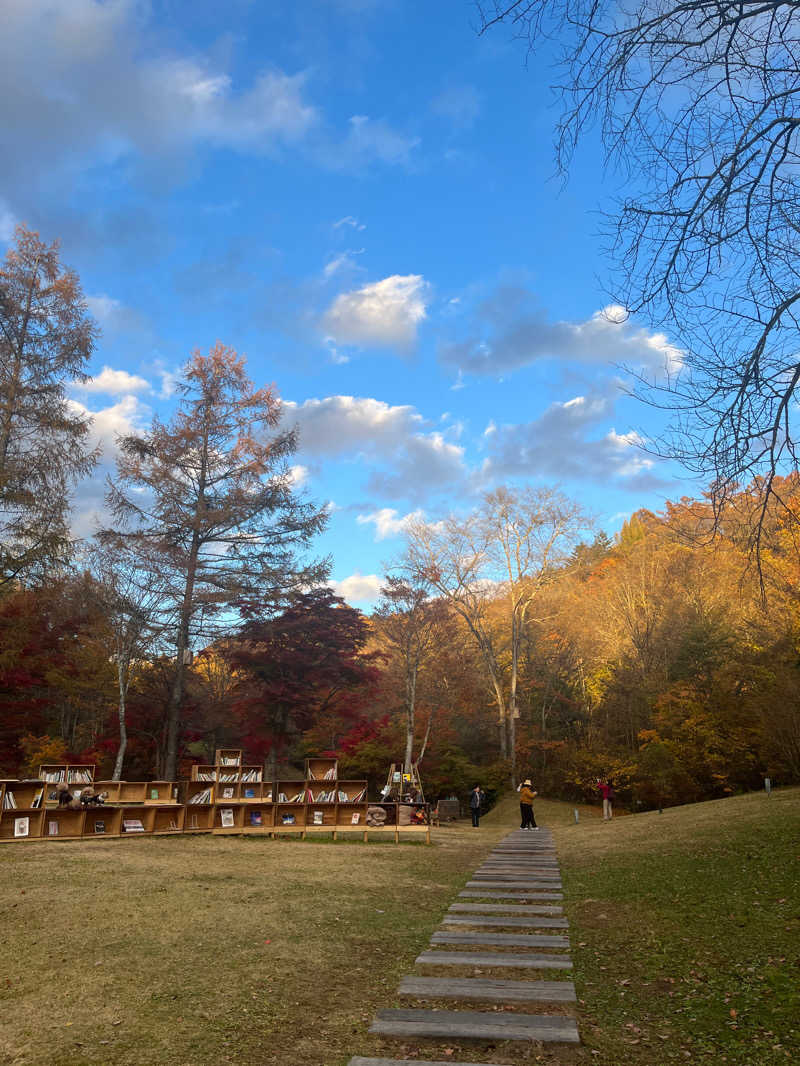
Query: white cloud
[
  {"x": 563, "y": 444},
  {"x": 298, "y": 474},
  {"x": 342, "y": 262},
  {"x": 349, "y": 220},
  {"x": 459, "y": 104},
  {"x": 388, "y": 523},
  {"x": 508, "y": 332},
  {"x": 383, "y": 314},
  {"x": 8, "y": 223},
  {"x": 114, "y": 383},
  {"x": 370, "y": 139},
  {"x": 359, "y": 588},
  {"x": 128, "y": 415},
  {"x": 390, "y": 442}
]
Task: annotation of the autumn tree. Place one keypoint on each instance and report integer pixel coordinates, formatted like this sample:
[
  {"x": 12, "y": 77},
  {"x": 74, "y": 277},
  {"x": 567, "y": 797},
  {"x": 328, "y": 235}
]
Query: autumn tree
[
  {"x": 503, "y": 552},
  {"x": 408, "y": 620},
  {"x": 299, "y": 667},
  {"x": 208, "y": 499},
  {"x": 46, "y": 339},
  {"x": 697, "y": 103}
]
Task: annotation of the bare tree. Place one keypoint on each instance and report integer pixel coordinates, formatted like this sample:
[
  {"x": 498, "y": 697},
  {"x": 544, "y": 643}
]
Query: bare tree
[
  {"x": 209, "y": 500},
  {"x": 499, "y": 556},
  {"x": 700, "y": 101},
  {"x": 46, "y": 338},
  {"x": 131, "y": 598},
  {"x": 408, "y": 620}
]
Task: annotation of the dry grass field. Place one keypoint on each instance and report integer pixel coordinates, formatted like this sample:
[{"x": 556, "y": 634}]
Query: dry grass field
[{"x": 224, "y": 950}]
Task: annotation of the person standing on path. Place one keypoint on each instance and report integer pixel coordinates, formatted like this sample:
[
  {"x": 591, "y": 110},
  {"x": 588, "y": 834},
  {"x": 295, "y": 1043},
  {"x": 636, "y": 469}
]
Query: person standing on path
[
  {"x": 526, "y": 795},
  {"x": 475, "y": 800},
  {"x": 606, "y": 790}
]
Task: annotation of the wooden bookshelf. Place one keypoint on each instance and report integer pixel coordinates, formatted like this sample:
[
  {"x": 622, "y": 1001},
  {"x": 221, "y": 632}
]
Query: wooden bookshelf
[
  {"x": 134, "y": 816},
  {"x": 321, "y": 769},
  {"x": 198, "y": 818},
  {"x": 21, "y": 824},
  {"x": 161, "y": 792},
  {"x": 230, "y": 812},
  {"x": 229, "y": 758},
  {"x": 23, "y": 795},
  {"x": 168, "y": 820},
  {"x": 71, "y": 773},
  {"x": 132, "y": 791},
  {"x": 203, "y": 789},
  {"x": 204, "y": 772},
  {"x": 110, "y": 818},
  {"x": 63, "y": 824}
]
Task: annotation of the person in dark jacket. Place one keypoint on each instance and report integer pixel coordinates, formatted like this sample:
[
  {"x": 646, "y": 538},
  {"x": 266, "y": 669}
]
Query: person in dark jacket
[
  {"x": 475, "y": 800},
  {"x": 526, "y": 795}
]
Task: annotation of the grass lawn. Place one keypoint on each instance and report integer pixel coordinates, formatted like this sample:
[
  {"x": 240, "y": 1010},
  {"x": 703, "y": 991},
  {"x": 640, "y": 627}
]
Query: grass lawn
[{"x": 224, "y": 950}]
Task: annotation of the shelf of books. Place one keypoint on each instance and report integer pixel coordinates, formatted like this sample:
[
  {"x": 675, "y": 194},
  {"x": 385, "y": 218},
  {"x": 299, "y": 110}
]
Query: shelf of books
[
  {"x": 244, "y": 803},
  {"x": 70, "y": 773}
]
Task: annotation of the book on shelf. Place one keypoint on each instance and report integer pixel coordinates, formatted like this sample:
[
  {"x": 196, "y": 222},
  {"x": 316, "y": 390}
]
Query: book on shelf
[
  {"x": 329, "y": 775},
  {"x": 9, "y": 803},
  {"x": 318, "y": 818},
  {"x": 229, "y": 760},
  {"x": 355, "y": 818},
  {"x": 154, "y": 794},
  {"x": 251, "y": 775},
  {"x": 80, "y": 777},
  {"x": 249, "y": 793},
  {"x": 227, "y": 793},
  {"x": 255, "y": 818},
  {"x": 359, "y": 796},
  {"x": 36, "y": 802},
  {"x": 281, "y": 797},
  {"x": 342, "y": 796},
  {"x": 228, "y": 777},
  {"x": 287, "y": 819},
  {"x": 204, "y": 796},
  {"x": 99, "y": 827},
  {"x": 22, "y": 827},
  {"x": 132, "y": 825},
  {"x": 206, "y": 775},
  {"x": 52, "y": 829},
  {"x": 268, "y": 797},
  {"x": 52, "y": 794},
  {"x": 53, "y": 777},
  {"x": 226, "y": 819}
]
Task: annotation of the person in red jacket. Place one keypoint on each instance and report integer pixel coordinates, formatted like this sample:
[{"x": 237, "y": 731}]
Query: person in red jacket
[{"x": 606, "y": 790}]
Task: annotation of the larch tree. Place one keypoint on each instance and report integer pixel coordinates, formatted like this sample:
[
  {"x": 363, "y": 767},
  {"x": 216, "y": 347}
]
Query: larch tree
[
  {"x": 46, "y": 339},
  {"x": 209, "y": 500}
]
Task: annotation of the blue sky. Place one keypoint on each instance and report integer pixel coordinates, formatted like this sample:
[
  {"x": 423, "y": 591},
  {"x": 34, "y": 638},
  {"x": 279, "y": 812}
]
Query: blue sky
[{"x": 358, "y": 195}]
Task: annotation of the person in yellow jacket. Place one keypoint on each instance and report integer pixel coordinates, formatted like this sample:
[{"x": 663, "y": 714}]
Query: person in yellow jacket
[{"x": 526, "y": 795}]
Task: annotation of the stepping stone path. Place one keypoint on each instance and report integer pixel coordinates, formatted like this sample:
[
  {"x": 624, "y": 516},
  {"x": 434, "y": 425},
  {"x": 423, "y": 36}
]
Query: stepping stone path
[{"x": 522, "y": 872}]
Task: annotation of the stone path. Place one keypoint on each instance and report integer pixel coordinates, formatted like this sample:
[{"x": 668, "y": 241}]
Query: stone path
[{"x": 522, "y": 871}]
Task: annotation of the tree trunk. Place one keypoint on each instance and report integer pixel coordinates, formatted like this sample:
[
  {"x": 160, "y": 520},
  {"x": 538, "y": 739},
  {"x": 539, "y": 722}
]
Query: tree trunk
[
  {"x": 411, "y": 691},
  {"x": 176, "y": 695},
  {"x": 123, "y": 731}
]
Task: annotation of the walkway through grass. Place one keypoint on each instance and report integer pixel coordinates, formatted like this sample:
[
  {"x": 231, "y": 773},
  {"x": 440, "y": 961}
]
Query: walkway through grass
[{"x": 188, "y": 952}]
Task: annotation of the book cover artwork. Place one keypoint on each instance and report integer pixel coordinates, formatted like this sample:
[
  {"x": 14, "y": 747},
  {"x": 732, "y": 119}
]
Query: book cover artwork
[
  {"x": 53, "y": 829},
  {"x": 226, "y": 819},
  {"x": 132, "y": 825},
  {"x": 227, "y": 793},
  {"x": 255, "y": 818},
  {"x": 355, "y": 818},
  {"x": 22, "y": 827},
  {"x": 99, "y": 827}
]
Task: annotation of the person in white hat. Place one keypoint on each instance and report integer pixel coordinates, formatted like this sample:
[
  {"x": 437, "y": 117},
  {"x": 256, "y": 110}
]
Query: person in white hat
[{"x": 526, "y": 795}]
